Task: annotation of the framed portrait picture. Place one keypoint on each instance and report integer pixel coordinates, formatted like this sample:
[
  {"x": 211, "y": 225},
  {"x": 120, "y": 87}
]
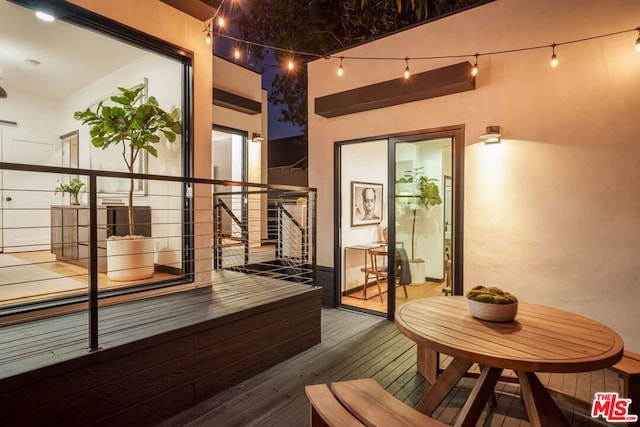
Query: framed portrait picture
[{"x": 366, "y": 203}]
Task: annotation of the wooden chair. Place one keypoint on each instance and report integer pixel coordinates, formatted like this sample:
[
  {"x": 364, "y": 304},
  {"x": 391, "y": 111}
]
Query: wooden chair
[
  {"x": 447, "y": 277},
  {"x": 379, "y": 271}
]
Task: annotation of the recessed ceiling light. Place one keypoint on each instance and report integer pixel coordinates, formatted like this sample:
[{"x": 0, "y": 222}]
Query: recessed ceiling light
[{"x": 45, "y": 16}]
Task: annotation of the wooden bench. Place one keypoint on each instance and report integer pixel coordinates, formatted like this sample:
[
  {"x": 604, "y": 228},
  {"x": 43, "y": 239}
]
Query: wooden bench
[
  {"x": 629, "y": 370},
  {"x": 361, "y": 402}
]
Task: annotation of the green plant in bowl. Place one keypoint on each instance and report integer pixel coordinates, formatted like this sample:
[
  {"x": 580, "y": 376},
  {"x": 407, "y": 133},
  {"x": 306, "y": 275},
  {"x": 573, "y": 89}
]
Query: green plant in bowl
[
  {"x": 492, "y": 303},
  {"x": 491, "y": 295}
]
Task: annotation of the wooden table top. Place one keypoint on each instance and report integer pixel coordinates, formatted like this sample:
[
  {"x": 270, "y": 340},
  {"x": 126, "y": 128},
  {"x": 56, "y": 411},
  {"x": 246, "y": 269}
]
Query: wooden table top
[{"x": 540, "y": 339}]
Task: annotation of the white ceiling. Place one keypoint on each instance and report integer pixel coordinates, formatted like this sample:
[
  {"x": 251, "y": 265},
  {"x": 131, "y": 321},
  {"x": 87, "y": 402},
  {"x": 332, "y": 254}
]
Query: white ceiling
[{"x": 70, "y": 57}]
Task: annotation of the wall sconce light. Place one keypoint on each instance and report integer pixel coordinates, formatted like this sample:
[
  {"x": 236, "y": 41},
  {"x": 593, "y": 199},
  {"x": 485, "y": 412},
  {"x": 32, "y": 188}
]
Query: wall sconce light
[
  {"x": 256, "y": 137},
  {"x": 492, "y": 135}
]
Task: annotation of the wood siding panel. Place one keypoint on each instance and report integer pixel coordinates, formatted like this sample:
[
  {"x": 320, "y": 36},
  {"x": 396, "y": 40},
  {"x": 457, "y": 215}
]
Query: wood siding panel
[{"x": 428, "y": 84}]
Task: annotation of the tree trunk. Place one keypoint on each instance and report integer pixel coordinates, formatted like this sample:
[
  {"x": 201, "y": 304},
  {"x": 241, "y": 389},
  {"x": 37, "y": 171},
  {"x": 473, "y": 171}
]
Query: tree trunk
[
  {"x": 413, "y": 235},
  {"x": 130, "y": 208}
]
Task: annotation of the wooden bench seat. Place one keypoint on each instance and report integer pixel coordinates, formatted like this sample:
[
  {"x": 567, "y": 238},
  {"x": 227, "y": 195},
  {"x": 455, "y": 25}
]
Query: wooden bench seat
[
  {"x": 629, "y": 370},
  {"x": 365, "y": 402}
]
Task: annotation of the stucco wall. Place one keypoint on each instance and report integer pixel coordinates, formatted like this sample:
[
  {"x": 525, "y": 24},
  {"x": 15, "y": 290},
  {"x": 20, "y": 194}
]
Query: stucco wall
[
  {"x": 247, "y": 83},
  {"x": 160, "y": 20},
  {"x": 552, "y": 213}
]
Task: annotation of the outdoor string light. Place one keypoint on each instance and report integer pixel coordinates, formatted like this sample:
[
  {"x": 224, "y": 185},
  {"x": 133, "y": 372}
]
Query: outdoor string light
[
  {"x": 208, "y": 27},
  {"x": 474, "y": 71},
  {"x": 554, "y": 57}
]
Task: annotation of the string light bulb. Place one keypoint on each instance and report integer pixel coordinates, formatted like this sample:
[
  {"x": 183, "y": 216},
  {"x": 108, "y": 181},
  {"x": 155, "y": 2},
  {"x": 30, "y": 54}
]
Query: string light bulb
[
  {"x": 290, "y": 65},
  {"x": 554, "y": 58},
  {"x": 236, "y": 52},
  {"x": 221, "y": 22},
  {"x": 638, "y": 41},
  {"x": 474, "y": 70},
  {"x": 407, "y": 73},
  {"x": 340, "y": 69},
  {"x": 208, "y": 38}
]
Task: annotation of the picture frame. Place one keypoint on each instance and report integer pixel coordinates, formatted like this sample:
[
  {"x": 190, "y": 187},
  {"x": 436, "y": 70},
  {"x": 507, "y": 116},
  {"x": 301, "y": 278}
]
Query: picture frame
[{"x": 366, "y": 203}]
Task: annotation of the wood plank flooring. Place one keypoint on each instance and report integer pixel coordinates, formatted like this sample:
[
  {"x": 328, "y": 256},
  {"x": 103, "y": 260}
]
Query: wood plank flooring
[
  {"x": 36, "y": 344},
  {"x": 356, "y": 345},
  {"x": 47, "y": 261},
  {"x": 373, "y": 303}
]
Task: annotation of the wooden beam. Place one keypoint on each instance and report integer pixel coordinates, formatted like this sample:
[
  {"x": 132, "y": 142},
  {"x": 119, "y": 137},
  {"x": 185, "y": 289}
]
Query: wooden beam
[
  {"x": 225, "y": 99},
  {"x": 199, "y": 9},
  {"x": 429, "y": 84}
]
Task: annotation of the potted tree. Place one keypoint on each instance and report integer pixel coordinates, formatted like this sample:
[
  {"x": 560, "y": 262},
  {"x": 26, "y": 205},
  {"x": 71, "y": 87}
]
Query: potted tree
[
  {"x": 73, "y": 188},
  {"x": 133, "y": 125},
  {"x": 424, "y": 193}
]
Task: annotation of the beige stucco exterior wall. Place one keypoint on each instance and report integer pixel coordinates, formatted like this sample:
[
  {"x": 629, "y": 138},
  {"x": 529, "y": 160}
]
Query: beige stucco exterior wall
[
  {"x": 247, "y": 83},
  {"x": 160, "y": 20},
  {"x": 552, "y": 213}
]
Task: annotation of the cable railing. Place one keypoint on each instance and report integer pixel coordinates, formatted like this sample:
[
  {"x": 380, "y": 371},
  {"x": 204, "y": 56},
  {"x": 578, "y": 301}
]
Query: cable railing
[
  {"x": 284, "y": 253},
  {"x": 202, "y": 231}
]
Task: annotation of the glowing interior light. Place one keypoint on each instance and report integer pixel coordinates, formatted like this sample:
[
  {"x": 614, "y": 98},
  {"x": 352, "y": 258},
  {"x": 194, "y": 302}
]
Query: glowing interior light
[{"x": 45, "y": 16}]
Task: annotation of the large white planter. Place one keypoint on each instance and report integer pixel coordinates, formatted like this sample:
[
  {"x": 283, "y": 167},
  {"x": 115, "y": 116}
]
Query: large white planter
[
  {"x": 130, "y": 259},
  {"x": 417, "y": 269}
]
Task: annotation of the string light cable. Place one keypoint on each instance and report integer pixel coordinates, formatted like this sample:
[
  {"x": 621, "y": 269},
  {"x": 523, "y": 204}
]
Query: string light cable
[
  {"x": 343, "y": 58},
  {"x": 208, "y": 26}
]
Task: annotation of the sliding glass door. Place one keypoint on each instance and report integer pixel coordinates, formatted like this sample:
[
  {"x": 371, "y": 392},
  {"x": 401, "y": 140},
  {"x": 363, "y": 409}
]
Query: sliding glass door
[{"x": 399, "y": 219}]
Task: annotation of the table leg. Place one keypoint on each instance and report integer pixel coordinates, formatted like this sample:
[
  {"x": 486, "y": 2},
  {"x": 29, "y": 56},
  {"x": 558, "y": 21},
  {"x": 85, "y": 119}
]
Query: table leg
[
  {"x": 541, "y": 408},
  {"x": 443, "y": 385},
  {"x": 482, "y": 391},
  {"x": 428, "y": 363}
]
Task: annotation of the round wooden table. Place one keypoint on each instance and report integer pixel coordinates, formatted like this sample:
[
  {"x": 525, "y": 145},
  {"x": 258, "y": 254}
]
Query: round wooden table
[{"x": 540, "y": 339}]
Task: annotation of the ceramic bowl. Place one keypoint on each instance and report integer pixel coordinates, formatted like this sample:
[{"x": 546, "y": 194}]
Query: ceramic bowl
[{"x": 493, "y": 312}]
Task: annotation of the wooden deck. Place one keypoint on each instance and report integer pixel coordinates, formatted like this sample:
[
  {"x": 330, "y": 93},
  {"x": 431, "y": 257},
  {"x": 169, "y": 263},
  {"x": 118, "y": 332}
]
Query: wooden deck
[
  {"x": 158, "y": 356},
  {"x": 356, "y": 345}
]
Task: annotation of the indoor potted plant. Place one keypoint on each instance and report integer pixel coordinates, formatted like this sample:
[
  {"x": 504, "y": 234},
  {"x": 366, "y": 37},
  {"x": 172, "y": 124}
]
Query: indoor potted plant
[
  {"x": 133, "y": 124},
  {"x": 492, "y": 303},
  {"x": 73, "y": 188},
  {"x": 424, "y": 194}
]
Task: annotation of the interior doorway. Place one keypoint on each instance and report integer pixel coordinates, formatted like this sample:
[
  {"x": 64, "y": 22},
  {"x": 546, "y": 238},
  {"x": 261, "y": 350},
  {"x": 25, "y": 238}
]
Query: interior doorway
[
  {"x": 399, "y": 203},
  {"x": 19, "y": 206},
  {"x": 229, "y": 163}
]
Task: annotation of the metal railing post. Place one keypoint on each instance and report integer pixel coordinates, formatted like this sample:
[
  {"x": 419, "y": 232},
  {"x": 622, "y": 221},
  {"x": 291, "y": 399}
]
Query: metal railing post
[
  {"x": 217, "y": 239},
  {"x": 93, "y": 264}
]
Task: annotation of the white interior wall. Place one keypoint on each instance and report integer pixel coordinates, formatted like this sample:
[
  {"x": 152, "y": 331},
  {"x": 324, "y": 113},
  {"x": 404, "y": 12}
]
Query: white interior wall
[
  {"x": 362, "y": 162},
  {"x": 429, "y": 233},
  {"x": 160, "y": 20},
  {"x": 163, "y": 197},
  {"x": 551, "y": 213}
]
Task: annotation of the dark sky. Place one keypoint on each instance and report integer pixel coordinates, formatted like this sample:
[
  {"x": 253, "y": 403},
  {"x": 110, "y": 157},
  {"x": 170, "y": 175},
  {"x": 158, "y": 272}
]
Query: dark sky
[{"x": 224, "y": 48}]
